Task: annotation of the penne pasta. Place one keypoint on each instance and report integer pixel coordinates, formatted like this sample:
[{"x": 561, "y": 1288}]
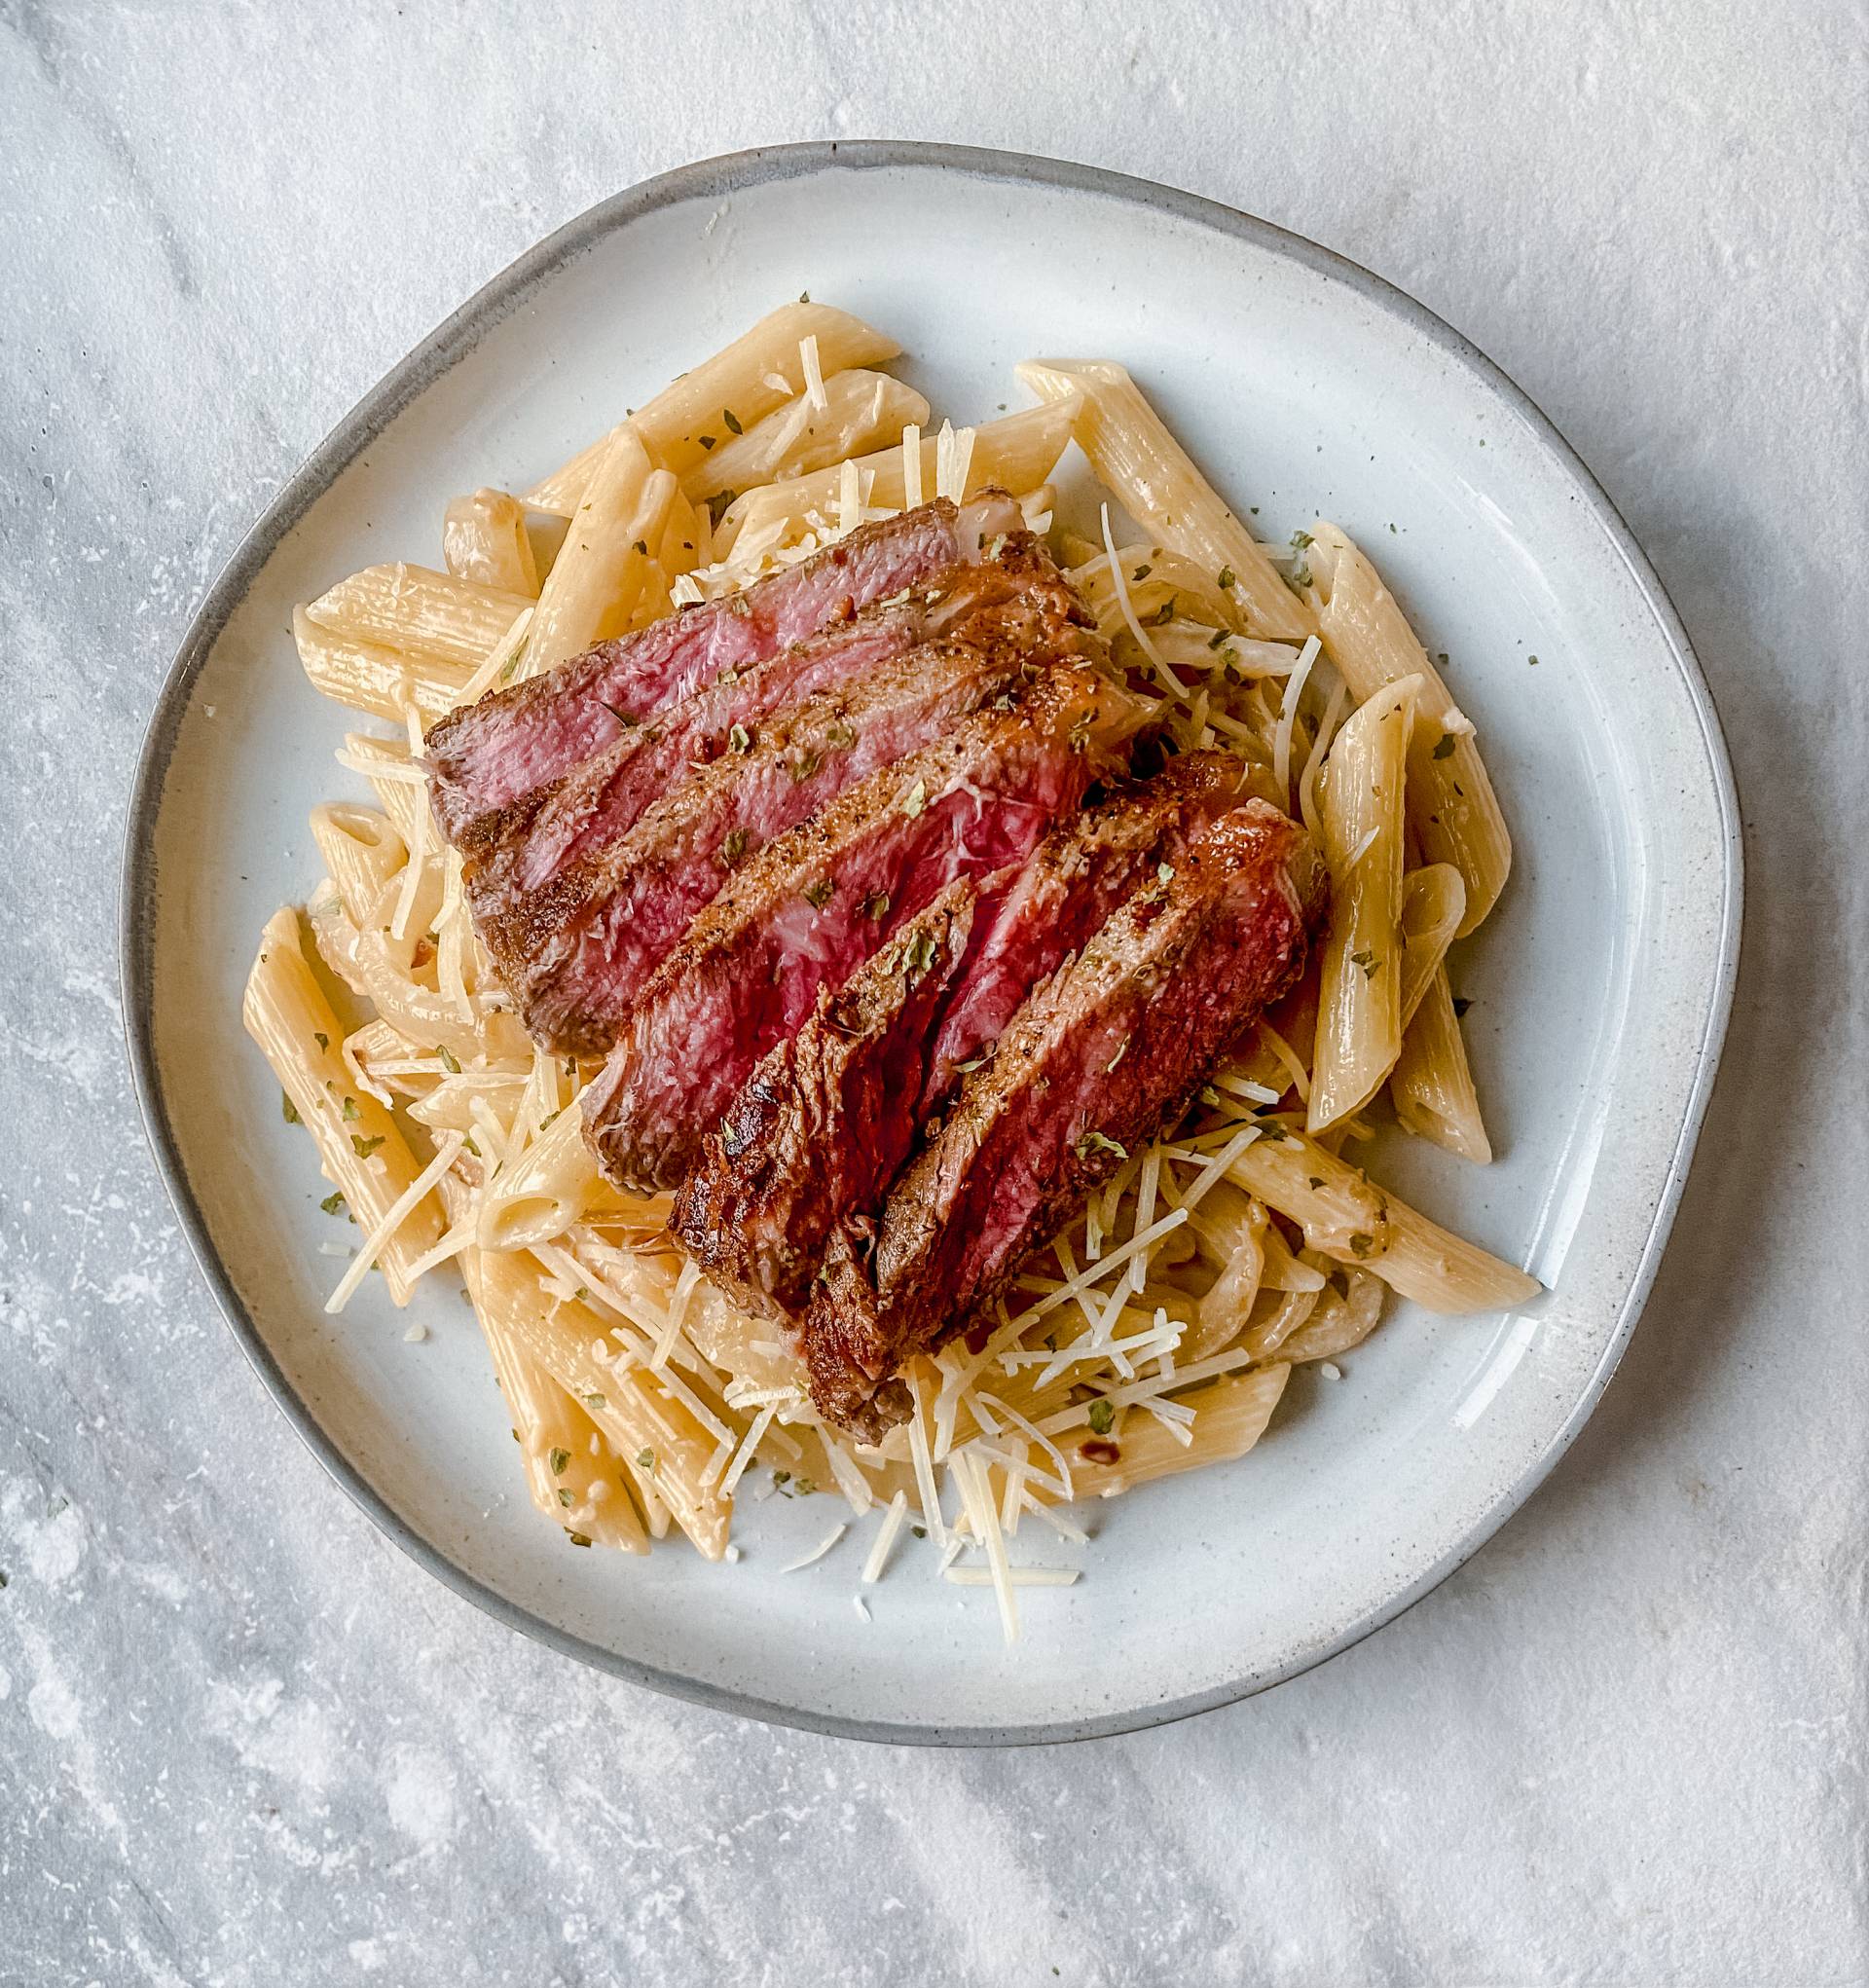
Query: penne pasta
[
  {"x": 1358, "y": 1013},
  {"x": 1231, "y": 1415},
  {"x": 416, "y": 609},
  {"x": 361, "y": 851},
  {"x": 375, "y": 678},
  {"x": 551, "y": 1187},
  {"x": 484, "y": 539},
  {"x": 759, "y": 371},
  {"x": 1131, "y": 450},
  {"x": 863, "y": 411},
  {"x": 1016, "y": 455},
  {"x": 1432, "y": 1086},
  {"x": 574, "y": 1477},
  {"x": 643, "y": 1422},
  {"x": 363, "y": 1151},
  {"x": 1452, "y": 809},
  {"x": 605, "y": 563},
  {"x": 1434, "y": 901}
]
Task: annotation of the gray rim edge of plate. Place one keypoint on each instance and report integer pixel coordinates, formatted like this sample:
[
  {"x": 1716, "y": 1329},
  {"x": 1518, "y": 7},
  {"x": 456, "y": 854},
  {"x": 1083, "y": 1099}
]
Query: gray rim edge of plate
[{"x": 404, "y": 382}]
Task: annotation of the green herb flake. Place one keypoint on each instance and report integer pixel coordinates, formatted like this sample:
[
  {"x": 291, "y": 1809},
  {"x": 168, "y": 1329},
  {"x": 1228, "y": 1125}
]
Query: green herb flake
[
  {"x": 1162, "y": 615},
  {"x": 1442, "y": 747},
  {"x": 467, "y": 1146},
  {"x": 919, "y": 954},
  {"x": 1301, "y": 577},
  {"x": 1102, "y": 1416},
  {"x": 511, "y": 663},
  {"x": 740, "y": 740},
  {"x": 322, "y": 1040},
  {"x": 1313, "y": 1181},
  {"x": 362, "y": 1146},
  {"x": 1164, "y": 872},
  {"x": 578, "y": 1538},
  {"x": 642, "y": 548},
  {"x": 839, "y": 735},
  {"x": 596, "y": 1401},
  {"x": 1533, "y": 661},
  {"x": 920, "y": 1531},
  {"x": 449, "y": 1060},
  {"x": 820, "y": 893},
  {"x": 780, "y": 1478},
  {"x": 994, "y": 547},
  {"x": 333, "y": 1204},
  {"x": 916, "y": 799},
  {"x": 1143, "y": 572},
  {"x": 1299, "y": 539},
  {"x": 707, "y": 441},
  {"x": 1442, "y": 658},
  {"x": 733, "y": 847},
  {"x": 564, "y": 1498},
  {"x": 806, "y": 1487},
  {"x": 289, "y": 1111},
  {"x": 1210, "y": 1098},
  {"x": 804, "y": 765},
  {"x": 1121, "y": 1051},
  {"x": 645, "y": 1460},
  {"x": 1100, "y": 1141},
  {"x": 1367, "y": 959},
  {"x": 560, "y": 1461},
  {"x": 876, "y": 906},
  {"x": 1277, "y": 1134},
  {"x": 1227, "y": 577},
  {"x": 1360, "y": 1245},
  {"x": 351, "y": 1112},
  {"x": 731, "y": 421}
]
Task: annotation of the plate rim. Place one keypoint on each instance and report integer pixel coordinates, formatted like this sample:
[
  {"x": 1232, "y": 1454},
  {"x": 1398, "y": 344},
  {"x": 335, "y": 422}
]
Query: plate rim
[{"x": 451, "y": 341}]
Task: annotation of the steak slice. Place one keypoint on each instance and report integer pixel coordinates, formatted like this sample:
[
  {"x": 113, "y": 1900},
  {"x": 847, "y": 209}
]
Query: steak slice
[
  {"x": 825, "y": 1123},
  {"x": 813, "y": 905},
  {"x": 1099, "y": 1058},
  {"x": 486, "y": 755},
  {"x": 575, "y": 954},
  {"x": 605, "y": 796}
]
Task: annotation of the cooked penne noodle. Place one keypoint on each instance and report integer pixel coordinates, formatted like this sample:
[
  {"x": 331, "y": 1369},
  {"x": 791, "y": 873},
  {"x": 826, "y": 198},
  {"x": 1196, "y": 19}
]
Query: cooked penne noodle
[
  {"x": 1337, "y": 1322},
  {"x": 863, "y": 411},
  {"x": 1431, "y": 1085},
  {"x": 419, "y": 610},
  {"x": 373, "y": 676},
  {"x": 1444, "y": 1272},
  {"x": 551, "y": 1187},
  {"x": 361, "y": 851},
  {"x": 1339, "y": 1212},
  {"x": 484, "y": 539},
  {"x": 1131, "y": 450},
  {"x": 1359, "y": 1013},
  {"x": 759, "y": 371},
  {"x": 638, "y": 1415},
  {"x": 1453, "y": 808},
  {"x": 605, "y": 563},
  {"x": 363, "y": 1151},
  {"x": 579, "y": 1491},
  {"x": 1015, "y": 453},
  {"x": 401, "y": 786},
  {"x": 1231, "y": 1414},
  {"x": 1156, "y": 579},
  {"x": 1434, "y": 901}
]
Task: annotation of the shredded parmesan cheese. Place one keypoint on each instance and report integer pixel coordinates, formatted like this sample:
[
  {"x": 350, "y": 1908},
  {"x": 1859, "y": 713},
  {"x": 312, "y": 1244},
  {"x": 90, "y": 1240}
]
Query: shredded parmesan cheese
[
  {"x": 884, "y": 1540},
  {"x": 397, "y": 1213},
  {"x": 816, "y": 1553}
]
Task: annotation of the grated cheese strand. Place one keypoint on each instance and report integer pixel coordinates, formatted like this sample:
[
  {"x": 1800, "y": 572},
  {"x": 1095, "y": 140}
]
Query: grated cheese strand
[
  {"x": 397, "y": 1213},
  {"x": 885, "y": 1540}
]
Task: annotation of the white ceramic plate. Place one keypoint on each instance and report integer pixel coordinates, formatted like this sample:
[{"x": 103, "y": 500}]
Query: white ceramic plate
[{"x": 1601, "y": 988}]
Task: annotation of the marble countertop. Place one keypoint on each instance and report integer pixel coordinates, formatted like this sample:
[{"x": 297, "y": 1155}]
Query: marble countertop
[{"x": 244, "y": 1741}]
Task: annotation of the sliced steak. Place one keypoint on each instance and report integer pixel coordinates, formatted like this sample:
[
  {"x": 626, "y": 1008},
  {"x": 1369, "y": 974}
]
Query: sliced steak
[
  {"x": 575, "y": 954},
  {"x": 605, "y": 796},
  {"x": 1099, "y": 1058},
  {"x": 489, "y": 754},
  {"x": 813, "y": 905},
  {"x": 825, "y": 1121}
]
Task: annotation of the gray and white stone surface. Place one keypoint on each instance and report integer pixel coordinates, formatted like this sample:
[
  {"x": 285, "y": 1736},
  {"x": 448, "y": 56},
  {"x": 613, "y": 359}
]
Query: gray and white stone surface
[{"x": 244, "y": 1741}]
